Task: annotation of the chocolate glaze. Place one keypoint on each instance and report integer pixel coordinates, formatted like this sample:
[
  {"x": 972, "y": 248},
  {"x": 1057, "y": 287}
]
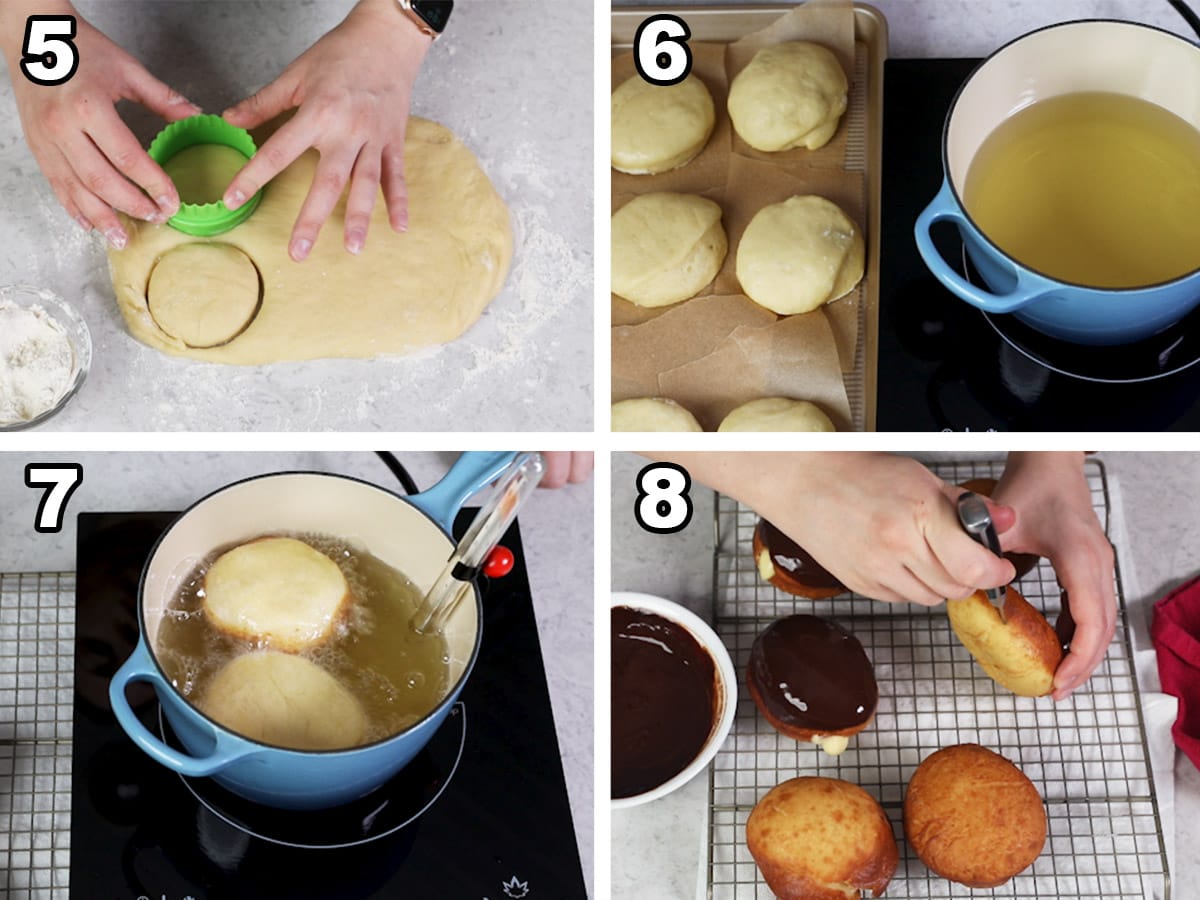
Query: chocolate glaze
[
  {"x": 664, "y": 700},
  {"x": 793, "y": 560},
  {"x": 813, "y": 675}
]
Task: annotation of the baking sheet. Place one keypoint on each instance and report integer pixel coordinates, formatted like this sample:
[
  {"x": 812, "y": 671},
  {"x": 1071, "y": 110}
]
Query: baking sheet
[
  {"x": 1088, "y": 756},
  {"x": 856, "y": 147}
]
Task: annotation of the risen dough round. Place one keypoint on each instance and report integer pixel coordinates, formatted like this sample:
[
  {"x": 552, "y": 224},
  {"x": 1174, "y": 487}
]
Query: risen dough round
[
  {"x": 790, "y": 95},
  {"x": 203, "y": 294},
  {"x": 777, "y": 414},
  {"x": 798, "y": 254},
  {"x": 666, "y": 248},
  {"x": 276, "y": 590},
  {"x": 652, "y": 414},
  {"x": 656, "y": 128},
  {"x": 285, "y": 700}
]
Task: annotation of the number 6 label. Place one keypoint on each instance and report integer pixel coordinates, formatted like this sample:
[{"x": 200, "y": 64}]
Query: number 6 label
[
  {"x": 660, "y": 50},
  {"x": 61, "y": 479},
  {"x": 48, "y": 57},
  {"x": 663, "y": 505}
]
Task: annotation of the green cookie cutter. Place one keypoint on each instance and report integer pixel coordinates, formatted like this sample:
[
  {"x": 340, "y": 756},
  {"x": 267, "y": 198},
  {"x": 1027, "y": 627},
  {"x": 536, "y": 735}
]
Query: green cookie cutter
[{"x": 205, "y": 219}]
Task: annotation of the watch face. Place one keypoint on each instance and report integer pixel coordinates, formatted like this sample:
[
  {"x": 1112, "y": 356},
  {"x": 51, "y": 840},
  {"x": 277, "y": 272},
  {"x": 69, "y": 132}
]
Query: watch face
[{"x": 436, "y": 13}]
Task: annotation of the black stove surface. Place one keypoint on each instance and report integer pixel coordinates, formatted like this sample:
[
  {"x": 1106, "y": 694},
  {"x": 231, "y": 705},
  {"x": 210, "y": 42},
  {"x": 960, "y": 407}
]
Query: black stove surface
[
  {"x": 943, "y": 365},
  {"x": 499, "y": 824}
]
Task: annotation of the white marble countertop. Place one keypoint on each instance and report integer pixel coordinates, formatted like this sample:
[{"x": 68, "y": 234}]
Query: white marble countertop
[
  {"x": 556, "y": 529},
  {"x": 1157, "y": 494},
  {"x": 512, "y": 77}
]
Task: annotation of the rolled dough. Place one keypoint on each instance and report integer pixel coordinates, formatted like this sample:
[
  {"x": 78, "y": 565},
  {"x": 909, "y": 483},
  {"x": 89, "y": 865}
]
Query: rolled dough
[
  {"x": 403, "y": 292},
  {"x": 203, "y": 294},
  {"x": 202, "y": 172}
]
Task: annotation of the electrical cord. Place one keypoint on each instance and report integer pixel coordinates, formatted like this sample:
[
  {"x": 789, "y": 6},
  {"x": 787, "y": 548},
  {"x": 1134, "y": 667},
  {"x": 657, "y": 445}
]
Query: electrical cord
[
  {"x": 1188, "y": 14},
  {"x": 397, "y": 469}
]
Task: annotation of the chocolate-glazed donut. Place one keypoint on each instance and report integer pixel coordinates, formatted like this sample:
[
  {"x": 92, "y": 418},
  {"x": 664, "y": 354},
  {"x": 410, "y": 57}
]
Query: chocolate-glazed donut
[
  {"x": 1022, "y": 562},
  {"x": 790, "y": 567},
  {"x": 813, "y": 681}
]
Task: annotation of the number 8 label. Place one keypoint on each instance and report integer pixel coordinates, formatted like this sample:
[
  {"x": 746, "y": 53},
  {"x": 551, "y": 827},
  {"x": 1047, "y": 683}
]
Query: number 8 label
[
  {"x": 663, "y": 505},
  {"x": 660, "y": 50}
]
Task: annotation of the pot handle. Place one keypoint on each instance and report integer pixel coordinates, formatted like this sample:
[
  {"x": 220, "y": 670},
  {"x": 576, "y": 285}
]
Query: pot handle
[
  {"x": 140, "y": 667},
  {"x": 471, "y": 472},
  {"x": 945, "y": 207}
]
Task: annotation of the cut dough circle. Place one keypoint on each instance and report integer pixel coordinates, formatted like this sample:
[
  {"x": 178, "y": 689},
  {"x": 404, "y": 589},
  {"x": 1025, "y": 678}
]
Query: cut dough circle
[
  {"x": 652, "y": 414},
  {"x": 666, "y": 248},
  {"x": 285, "y": 700},
  {"x": 202, "y": 172},
  {"x": 656, "y": 128},
  {"x": 279, "y": 591},
  {"x": 799, "y": 254},
  {"x": 777, "y": 414},
  {"x": 790, "y": 95},
  {"x": 204, "y": 294},
  {"x": 402, "y": 292}
]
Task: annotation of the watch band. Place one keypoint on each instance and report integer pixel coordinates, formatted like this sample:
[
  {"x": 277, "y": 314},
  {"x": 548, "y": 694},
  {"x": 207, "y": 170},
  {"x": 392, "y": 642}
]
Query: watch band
[{"x": 430, "y": 20}]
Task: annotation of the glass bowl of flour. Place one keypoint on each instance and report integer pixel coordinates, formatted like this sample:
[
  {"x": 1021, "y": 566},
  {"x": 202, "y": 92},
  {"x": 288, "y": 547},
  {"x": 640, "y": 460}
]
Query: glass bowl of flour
[{"x": 45, "y": 353}]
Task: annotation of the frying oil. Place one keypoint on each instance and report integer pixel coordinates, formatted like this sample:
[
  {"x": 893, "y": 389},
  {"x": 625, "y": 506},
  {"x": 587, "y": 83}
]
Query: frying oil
[
  {"x": 396, "y": 674},
  {"x": 1095, "y": 188}
]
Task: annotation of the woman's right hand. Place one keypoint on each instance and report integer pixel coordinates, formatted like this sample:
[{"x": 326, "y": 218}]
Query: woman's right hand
[{"x": 92, "y": 160}]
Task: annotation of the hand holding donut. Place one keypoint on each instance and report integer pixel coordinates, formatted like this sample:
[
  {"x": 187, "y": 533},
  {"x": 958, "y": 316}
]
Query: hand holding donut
[{"x": 1056, "y": 519}]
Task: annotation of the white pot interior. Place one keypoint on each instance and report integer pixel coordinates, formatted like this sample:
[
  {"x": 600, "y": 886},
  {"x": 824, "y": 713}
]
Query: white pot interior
[
  {"x": 1113, "y": 57},
  {"x": 367, "y": 516}
]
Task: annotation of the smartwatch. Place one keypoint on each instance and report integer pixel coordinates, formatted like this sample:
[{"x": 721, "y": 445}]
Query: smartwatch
[{"x": 430, "y": 16}]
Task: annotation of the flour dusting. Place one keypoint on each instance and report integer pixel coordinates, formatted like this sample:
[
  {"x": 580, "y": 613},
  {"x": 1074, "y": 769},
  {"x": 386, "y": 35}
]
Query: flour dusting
[{"x": 37, "y": 362}]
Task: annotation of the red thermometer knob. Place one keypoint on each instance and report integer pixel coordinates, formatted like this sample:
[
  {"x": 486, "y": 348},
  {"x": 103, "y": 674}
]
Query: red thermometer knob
[{"x": 499, "y": 562}]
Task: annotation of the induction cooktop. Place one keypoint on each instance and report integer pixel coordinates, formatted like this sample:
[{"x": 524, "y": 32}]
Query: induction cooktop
[
  {"x": 946, "y": 366},
  {"x": 481, "y": 814}
]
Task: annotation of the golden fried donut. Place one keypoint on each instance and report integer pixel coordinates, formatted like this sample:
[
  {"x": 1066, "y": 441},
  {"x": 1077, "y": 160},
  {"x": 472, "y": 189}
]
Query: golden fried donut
[
  {"x": 277, "y": 592},
  {"x": 821, "y": 839},
  {"x": 973, "y": 817},
  {"x": 1020, "y": 652}
]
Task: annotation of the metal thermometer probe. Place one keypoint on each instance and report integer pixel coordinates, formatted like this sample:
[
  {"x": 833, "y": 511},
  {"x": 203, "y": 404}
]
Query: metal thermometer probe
[{"x": 977, "y": 520}]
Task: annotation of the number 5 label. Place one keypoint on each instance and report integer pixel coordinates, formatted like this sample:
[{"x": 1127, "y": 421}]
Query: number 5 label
[
  {"x": 60, "y": 479},
  {"x": 660, "y": 50},
  {"x": 663, "y": 505},
  {"x": 48, "y": 57}
]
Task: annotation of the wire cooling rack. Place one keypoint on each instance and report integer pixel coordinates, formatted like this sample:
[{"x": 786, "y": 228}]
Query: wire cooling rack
[
  {"x": 37, "y": 629},
  {"x": 1087, "y": 755}
]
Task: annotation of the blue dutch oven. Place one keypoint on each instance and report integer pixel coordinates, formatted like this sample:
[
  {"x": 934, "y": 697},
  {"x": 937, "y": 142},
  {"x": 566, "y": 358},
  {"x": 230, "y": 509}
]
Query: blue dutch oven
[
  {"x": 411, "y": 534},
  {"x": 1109, "y": 56}
]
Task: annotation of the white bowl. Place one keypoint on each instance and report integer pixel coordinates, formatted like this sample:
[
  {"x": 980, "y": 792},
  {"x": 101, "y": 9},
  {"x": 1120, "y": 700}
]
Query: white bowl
[
  {"x": 77, "y": 333},
  {"x": 722, "y": 721}
]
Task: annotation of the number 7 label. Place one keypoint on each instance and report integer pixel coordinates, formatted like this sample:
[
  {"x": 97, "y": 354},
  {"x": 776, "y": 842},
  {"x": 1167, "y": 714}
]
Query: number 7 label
[{"x": 60, "y": 479}]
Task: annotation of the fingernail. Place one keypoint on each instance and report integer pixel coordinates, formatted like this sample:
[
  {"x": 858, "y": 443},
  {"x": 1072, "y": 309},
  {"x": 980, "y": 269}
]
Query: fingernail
[
  {"x": 157, "y": 217},
  {"x": 167, "y": 206},
  {"x": 235, "y": 199},
  {"x": 300, "y": 249},
  {"x": 354, "y": 242},
  {"x": 116, "y": 237}
]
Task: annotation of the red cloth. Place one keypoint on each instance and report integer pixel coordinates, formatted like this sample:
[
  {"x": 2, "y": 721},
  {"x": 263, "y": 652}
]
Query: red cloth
[{"x": 1176, "y": 635}]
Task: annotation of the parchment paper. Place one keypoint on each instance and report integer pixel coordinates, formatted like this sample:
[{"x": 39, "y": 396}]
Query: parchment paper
[{"x": 719, "y": 349}]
